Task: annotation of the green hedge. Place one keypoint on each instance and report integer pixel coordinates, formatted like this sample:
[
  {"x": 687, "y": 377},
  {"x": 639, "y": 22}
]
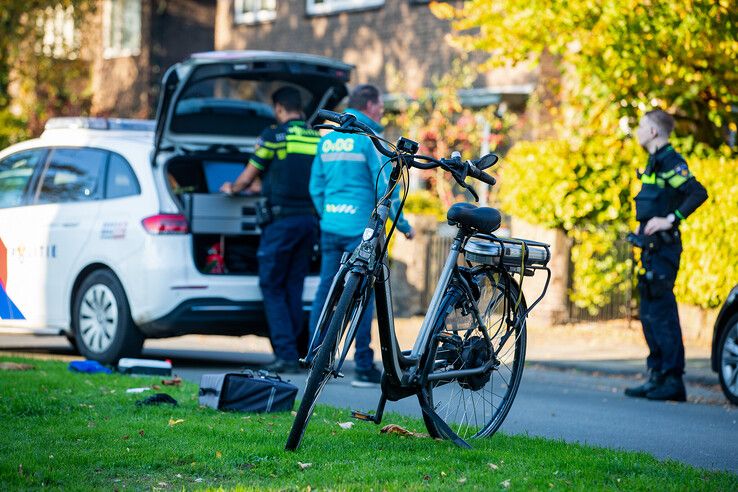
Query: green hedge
[
  {"x": 587, "y": 191},
  {"x": 710, "y": 236}
]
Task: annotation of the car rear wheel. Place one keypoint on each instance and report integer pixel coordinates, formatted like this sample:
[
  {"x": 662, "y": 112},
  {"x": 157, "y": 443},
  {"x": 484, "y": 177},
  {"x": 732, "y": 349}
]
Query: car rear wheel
[
  {"x": 101, "y": 320},
  {"x": 728, "y": 360}
]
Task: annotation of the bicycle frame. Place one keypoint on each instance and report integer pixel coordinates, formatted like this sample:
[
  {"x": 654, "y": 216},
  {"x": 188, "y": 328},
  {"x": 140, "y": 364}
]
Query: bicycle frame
[
  {"x": 418, "y": 371},
  {"x": 400, "y": 369}
]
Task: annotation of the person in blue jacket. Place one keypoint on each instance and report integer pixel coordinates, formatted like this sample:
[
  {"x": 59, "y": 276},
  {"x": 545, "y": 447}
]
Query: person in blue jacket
[{"x": 342, "y": 186}]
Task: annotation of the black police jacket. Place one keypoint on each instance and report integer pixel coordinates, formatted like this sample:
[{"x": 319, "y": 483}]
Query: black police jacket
[{"x": 667, "y": 186}]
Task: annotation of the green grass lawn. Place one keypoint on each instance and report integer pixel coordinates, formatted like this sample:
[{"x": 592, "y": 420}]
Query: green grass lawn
[{"x": 62, "y": 430}]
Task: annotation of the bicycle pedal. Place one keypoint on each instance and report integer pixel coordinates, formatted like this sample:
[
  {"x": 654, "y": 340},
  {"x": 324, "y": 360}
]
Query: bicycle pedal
[
  {"x": 362, "y": 416},
  {"x": 337, "y": 375}
]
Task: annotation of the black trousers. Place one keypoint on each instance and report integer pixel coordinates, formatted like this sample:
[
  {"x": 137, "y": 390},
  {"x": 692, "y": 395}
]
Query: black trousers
[{"x": 659, "y": 314}]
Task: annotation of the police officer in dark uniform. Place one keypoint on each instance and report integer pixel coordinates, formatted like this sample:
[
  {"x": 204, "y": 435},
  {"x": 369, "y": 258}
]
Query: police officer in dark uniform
[
  {"x": 283, "y": 158},
  {"x": 669, "y": 194}
]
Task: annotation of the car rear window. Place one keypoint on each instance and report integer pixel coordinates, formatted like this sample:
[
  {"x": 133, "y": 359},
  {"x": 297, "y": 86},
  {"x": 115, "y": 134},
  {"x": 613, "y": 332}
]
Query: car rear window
[
  {"x": 228, "y": 106},
  {"x": 121, "y": 180}
]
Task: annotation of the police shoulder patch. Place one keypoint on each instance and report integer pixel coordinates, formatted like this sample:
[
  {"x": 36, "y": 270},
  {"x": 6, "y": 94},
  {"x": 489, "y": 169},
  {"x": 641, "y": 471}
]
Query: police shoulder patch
[{"x": 682, "y": 169}]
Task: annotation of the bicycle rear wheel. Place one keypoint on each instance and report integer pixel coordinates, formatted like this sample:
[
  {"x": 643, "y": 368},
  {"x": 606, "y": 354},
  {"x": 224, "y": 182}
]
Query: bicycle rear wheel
[
  {"x": 475, "y": 406},
  {"x": 338, "y": 317}
]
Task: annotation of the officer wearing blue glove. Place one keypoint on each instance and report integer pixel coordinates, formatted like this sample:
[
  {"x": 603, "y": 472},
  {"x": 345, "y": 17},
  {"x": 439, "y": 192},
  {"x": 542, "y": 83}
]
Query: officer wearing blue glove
[
  {"x": 342, "y": 185},
  {"x": 669, "y": 194}
]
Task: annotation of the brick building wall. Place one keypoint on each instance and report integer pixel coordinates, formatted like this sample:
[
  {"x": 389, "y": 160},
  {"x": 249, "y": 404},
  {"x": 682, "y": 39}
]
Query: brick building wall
[
  {"x": 127, "y": 86},
  {"x": 400, "y": 35}
]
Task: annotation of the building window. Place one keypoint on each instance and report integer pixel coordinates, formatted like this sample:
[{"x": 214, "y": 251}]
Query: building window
[
  {"x": 121, "y": 28},
  {"x": 320, "y": 7},
  {"x": 254, "y": 11},
  {"x": 59, "y": 37}
]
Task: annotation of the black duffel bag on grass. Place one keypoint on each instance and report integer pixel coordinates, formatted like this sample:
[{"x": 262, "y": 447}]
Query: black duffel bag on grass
[{"x": 247, "y": 391}]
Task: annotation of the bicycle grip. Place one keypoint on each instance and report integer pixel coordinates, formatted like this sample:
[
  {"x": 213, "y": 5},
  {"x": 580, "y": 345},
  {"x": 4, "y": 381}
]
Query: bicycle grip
[
  {"x": 477, "y": 173},
  {"x": 486, "y": 178},
  {"x": 330, "y": 116}
]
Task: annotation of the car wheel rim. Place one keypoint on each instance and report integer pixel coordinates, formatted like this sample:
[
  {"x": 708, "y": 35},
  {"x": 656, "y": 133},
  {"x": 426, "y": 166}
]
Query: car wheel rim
[
  {"x": 730, "y": 360},
  {"x": 98, "y": 318}
]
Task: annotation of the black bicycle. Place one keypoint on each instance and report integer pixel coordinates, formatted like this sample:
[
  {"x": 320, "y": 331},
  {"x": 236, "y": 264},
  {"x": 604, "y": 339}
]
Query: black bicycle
[{"x": 467, "y": 361}]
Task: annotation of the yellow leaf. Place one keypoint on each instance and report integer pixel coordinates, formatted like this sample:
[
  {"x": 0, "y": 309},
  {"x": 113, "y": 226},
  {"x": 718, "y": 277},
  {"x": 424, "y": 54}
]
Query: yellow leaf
[
  {"x": 442, "y": 10},
  {"x": 173, "y": 422},
  {"x": 218, "y": 454}
]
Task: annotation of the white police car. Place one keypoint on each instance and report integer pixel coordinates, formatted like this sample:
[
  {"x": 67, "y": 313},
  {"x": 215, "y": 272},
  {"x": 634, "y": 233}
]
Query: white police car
[{"x": 112, "y": 231}]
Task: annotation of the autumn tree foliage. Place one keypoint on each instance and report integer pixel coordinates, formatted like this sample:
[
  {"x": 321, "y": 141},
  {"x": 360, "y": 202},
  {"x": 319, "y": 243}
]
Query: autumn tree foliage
[{"x": 617, "y": 59}]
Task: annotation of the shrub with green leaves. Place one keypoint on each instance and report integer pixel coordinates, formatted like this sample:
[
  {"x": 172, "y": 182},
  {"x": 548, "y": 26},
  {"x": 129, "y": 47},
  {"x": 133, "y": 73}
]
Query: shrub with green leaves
[{"x": 587, "y": 190}]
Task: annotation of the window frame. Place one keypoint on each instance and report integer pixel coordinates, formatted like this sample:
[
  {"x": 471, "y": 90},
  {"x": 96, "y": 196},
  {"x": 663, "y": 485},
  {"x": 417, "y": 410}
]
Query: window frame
[
  {"x": 114, "y": 50},
  {"x": 337, "y": 6},
  {"x": 60, "y": 35},
  {"x": 262, "y": 16}
]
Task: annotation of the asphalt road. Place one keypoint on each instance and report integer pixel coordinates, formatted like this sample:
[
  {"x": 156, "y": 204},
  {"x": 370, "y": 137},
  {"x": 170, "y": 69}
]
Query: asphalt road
[{"x": 573, "y": 405}]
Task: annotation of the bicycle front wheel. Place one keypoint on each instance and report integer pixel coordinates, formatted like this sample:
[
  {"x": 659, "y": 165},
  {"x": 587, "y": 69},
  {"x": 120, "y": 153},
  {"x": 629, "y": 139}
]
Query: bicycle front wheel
[
  {"x": 475, "y": 405},
  {"x": 338, "y": 317}
]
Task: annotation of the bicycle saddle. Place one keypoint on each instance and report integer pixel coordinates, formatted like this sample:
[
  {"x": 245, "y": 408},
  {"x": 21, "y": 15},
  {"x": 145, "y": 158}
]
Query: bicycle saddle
[{"x": 482, "y": 219}]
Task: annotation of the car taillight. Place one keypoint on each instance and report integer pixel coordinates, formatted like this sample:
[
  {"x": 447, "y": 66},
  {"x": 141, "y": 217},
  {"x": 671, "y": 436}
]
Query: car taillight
[{"x": 166, "y": 224}]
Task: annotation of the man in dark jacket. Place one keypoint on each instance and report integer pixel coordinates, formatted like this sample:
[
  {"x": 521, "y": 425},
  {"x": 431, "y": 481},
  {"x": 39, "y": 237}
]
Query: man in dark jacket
[
  {"x": 283, "y": 157},
  {"x": 669, "y": 194}
]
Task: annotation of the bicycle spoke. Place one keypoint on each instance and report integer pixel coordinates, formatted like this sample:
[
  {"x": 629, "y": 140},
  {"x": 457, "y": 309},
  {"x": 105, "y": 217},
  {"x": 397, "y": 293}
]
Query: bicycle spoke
[{"x": 475, "y": 405}]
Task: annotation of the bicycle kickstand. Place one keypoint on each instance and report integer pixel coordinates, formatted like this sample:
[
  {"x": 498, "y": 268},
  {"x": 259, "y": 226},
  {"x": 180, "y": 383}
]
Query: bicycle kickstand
[{"x": 377, "y": 417}]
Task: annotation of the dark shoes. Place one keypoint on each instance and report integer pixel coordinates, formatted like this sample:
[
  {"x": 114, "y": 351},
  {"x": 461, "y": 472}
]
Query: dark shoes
[
  {"x": 284, "y": 366},
  {"x": 660, "y": 387},
  {"x": 672, "y": 389},
  {"x": 654, "y": 380},
  {"x": 367, "y": 378}
]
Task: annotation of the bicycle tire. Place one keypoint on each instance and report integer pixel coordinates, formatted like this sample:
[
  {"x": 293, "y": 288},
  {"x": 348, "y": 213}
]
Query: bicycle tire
[
  {"x": 513, "y": 346},
  {"x": 319, "y": 374}
]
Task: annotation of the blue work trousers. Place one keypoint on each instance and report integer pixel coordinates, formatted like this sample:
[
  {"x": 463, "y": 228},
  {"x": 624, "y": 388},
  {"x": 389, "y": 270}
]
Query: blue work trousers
[
  {"x": 284, "y": 255},
  {"x": 658, "y": 310},
  {"x": 332, "y": 248}
]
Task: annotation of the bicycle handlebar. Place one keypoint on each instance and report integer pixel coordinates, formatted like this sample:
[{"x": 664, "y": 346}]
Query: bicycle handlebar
[{"x": 347, "y": 123}]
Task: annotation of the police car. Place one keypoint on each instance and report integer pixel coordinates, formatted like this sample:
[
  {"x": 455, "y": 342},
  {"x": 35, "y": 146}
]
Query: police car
[{"x": 113, "y": 231}]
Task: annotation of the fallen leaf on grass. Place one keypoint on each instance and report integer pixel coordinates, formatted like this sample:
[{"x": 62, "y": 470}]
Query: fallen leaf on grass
[
  {"x": 173, "y": 422},
  {"x": 198, "y": 480},
  {"x": 155, "y": 387},
  {"x": 175, "y": 381},
  {"x": 15, "y": 366},
  {"x": 492, "y": 466},
  {"x": 426, "y": 478},
  {"x": 218, "y": 454},
  {"x": 345, "y": 425},
  {"x": 396, "y": 429},
  {"x": 125, "y": 437},
  {"x": 141, "y": 432},
  {"x": 462, "y": 480},
  {"x": 304, "y": 466},
  {"x": 505, "y": 484}
]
